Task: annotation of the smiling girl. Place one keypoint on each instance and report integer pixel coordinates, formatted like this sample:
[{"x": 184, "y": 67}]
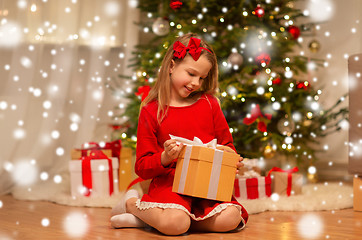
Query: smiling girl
[{"x": 182, "y": 103}]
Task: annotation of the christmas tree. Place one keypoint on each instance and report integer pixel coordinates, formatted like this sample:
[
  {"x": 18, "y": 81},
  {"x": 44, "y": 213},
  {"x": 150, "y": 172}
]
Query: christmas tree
[{"x": 266, "y": 91}]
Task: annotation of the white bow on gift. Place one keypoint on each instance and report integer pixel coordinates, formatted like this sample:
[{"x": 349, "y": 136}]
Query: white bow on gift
[
  {"x": 196, "y": 142},
  {"x": 250, "y": 174}
]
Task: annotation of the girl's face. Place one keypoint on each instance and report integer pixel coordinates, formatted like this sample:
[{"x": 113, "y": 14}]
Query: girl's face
[{"x": 187, "y": 76}]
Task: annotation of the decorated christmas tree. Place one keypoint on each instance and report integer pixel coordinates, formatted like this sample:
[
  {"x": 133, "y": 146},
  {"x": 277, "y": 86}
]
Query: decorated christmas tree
[{"x": 266, "y": 88}]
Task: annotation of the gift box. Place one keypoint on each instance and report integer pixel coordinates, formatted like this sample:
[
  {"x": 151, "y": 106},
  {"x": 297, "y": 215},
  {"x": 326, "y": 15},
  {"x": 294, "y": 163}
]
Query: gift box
[
  {"x": 95, "y": 175},
  {"x": 205, "y": 172},
  {"x": 357, "y": 193},
  {"x": 252, "y": 188},
  {"x": 112, "y": 149},
  {"x": 125, "y": 168},
  {"x": 286, "y": 182}
]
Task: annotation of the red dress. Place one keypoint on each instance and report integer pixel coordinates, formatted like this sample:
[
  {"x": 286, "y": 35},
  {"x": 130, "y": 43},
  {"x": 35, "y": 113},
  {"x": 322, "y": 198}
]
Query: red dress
[{"x": 203, "y": 119}]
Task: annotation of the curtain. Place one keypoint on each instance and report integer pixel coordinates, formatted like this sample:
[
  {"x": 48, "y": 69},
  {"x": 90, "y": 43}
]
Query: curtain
[{"x": 55, "y": 63}]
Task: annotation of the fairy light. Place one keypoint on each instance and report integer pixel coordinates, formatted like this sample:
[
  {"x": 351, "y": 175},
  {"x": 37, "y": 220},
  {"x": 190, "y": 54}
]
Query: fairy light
[{"x": 33, "y": 7}]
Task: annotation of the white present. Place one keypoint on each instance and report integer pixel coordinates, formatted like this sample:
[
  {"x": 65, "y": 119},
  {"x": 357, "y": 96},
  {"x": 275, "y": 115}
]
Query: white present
[{"x": 100, "y": 178}]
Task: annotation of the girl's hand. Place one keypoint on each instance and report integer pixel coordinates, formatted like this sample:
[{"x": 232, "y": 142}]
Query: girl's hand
[
  {"x": 239, "y": 165},
  {"x": 225, "y": 149},
  {"x": 228, "y": 149},
  {"x": 171, "y": 151}
]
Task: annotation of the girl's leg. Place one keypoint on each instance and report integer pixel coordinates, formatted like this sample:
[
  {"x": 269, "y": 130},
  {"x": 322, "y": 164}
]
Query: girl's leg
[
  {"x": 167, "y": 221},
  {"x": 225, "y": 221}
]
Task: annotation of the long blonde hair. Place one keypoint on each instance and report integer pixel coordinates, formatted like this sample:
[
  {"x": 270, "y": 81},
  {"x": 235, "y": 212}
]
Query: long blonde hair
[{"x": 161, "y": 91}]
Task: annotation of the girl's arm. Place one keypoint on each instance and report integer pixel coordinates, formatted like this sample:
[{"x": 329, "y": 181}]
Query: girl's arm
[{"x": 148, "y": 153}]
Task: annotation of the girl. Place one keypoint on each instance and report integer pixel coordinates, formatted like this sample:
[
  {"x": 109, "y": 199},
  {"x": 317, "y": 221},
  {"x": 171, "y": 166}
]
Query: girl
[{"x": 181, "y": 103}]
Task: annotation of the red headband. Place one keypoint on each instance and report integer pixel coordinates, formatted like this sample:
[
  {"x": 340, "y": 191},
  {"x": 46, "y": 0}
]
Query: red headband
[{"x": 193, "y": 47}]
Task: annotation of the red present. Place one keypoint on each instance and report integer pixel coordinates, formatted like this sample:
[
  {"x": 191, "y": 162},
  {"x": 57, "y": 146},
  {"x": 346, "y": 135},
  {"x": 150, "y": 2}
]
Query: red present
[
  {"x": 252, "y": 188},
  {"x": 286, "y": 182},
  {"x": 124, "y": 156},
  {"x": 94, "y": 175}
]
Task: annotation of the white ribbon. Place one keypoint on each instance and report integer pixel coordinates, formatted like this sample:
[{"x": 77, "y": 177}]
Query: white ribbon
[
  {"x": 196, "y": 142},
  {"x": 216, "y": 165}
]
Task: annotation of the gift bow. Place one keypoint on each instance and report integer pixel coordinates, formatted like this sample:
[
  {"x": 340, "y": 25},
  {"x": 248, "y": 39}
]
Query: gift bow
[
  {"x": 193, "y": 47},
  {"x": 87, "y": 171},
  {"x": 250, "y": 174},
  {"x": 250, "y": 163},
  {"x": 255, "y": 114},
  {"x": 196, "y": 142},
  {"x": 289, "y": 171}
]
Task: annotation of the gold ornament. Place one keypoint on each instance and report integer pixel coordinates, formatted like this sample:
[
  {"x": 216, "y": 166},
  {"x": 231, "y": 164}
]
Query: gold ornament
[
  {"x": 314, "y": 46},
  {"x": 286, "y": 126},
  {"x": 269, "y": 152},
  {"x": 161, "y": 27}
]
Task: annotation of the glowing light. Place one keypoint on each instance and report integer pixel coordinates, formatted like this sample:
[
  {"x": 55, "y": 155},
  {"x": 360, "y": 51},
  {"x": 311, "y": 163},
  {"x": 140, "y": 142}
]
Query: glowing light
[
  {"x": 26, "y": 62},
  {"x": 320, "y": 10},
  {"x": 57, "y": 179},
  {"x": 10, "y": 34},
  {"x": 47, "y": 104},
  {"x": 19, "y": 133},
  {"x": 59, "y": 151},
  {"x": 76, "y": 224},
  {"x": 288, "y": 74},
  {"x": 74, "y": 117},
  {"x": 74, "y": 127},
  {"x": 3, "y": 105},
  {"x": 97, "y": 95},
  {"x": 344, "y": 124},
  {"x": 37, "y": 92},
  {"x": 276, "y": 105},
  {"x": 45, "y": 222},
  {"x": 44, "y": 176},
  {"x": 24, "y": 173},
  {"x": 275, "y": 197},
  {"x": 133, "y": 3},
  {"x": 314, "y": 106},
  {"x": 313, "y": 223},
  {"x": 22, "y": 4},
  {"x": 312, "y": 170},
  {"x": 288, "y": 140},
  {"x": 55, "y": 134},
  {"x": 33, "y": 7},
  {"x": 112, "y": 8}
]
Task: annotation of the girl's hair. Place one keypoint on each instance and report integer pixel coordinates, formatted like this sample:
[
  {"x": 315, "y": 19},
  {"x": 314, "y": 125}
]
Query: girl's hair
[{"x": 161, "y": 91}]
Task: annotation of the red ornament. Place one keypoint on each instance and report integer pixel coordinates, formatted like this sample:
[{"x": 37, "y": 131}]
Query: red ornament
[
  {"x": 144, "y": 91},
  {"x": 259, "y": 12},
  {"x": 257, "y": 115},
  {"x": 303, "y": 85},
  {"x": 175, "y": 4},
  {"x": 294, "y": 31},
  {"x": 263, "y": 58},
  {"x": 277, "y": 81}
]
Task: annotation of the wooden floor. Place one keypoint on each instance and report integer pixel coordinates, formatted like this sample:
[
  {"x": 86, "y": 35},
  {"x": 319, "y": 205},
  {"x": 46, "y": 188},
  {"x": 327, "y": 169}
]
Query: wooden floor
[{"x": 45, "y": 220}]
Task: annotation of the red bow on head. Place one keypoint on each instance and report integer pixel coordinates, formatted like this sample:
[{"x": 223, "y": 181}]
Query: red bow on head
[
  {"x": 255, "y": 114},
  {"x": 193, "y": 47}
]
